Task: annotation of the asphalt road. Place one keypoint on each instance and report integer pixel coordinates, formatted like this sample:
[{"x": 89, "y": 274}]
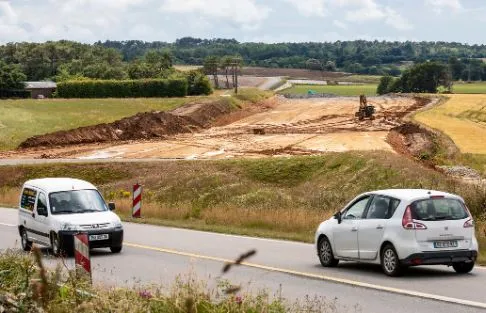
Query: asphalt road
[{"x": 159, "y": 254}]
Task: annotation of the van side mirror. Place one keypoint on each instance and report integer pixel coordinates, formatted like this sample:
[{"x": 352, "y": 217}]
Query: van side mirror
[
  {"x": 338, "y": 216},
  {"x": 112, "y": 206},
  {"x": 42, "y": 211}
]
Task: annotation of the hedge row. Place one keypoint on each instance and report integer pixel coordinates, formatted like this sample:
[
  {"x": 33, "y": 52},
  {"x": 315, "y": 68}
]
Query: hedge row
[{"x": 146, "y": 88}]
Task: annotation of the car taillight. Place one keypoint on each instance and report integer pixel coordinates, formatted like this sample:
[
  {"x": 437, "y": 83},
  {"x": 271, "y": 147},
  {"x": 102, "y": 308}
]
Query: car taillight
[
  {"x": 469, "y": 223},
  {"x": 409, "y": 223}
]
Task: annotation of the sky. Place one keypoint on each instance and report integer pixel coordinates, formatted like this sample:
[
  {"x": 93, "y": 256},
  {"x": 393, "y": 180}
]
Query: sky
[{"x": 244, "y": 20}]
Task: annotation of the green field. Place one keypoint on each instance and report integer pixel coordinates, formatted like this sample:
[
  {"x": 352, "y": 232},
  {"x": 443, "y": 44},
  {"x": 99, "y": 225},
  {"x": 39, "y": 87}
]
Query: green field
[
  {"x": 476, "y": 87},
  {"x": 350, "y": 90},
  {"x": 21, "y": 119}
]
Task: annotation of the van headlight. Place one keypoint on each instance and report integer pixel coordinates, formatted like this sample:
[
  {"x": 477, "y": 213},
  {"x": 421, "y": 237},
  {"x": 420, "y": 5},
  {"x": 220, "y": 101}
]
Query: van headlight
[
  {"x": 117, "y": 225},
  {"x": 70, "y": 227}
]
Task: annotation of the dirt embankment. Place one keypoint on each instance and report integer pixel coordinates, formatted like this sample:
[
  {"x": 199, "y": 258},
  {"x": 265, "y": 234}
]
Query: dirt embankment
[{"x": 186, "y": 119}]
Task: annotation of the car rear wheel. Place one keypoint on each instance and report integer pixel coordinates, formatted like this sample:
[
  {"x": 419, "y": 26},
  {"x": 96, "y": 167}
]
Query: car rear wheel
[
  {"x": 390, "y": 262},
  {"x": 325, "y": 253},
  {"x": 116, "y": 249},
  {"x": 24, "y": 241},
  {"x": 463, "y": 267}
]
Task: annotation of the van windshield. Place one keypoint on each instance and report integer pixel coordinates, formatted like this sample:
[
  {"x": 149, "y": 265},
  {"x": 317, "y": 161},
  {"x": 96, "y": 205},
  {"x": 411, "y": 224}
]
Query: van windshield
[
  {"x": 76, "y": 201},
  {"x": 439, "y": 209}
]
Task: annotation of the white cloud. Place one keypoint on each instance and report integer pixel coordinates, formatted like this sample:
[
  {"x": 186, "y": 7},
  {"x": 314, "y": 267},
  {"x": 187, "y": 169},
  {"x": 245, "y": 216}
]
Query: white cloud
[
  {"x": 394, "y": 19},
  {"x": 310, "y": 7},
  {"x": 439, "y": 5},
  {"x": 340, "y": 24},
  {"x": 7, "y": 14},
  {"x": 246, "y": 13}
]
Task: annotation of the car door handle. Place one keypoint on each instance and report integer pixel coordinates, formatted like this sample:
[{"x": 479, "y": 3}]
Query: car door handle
[
  {"x": 379, "y": 227},
  {"x": 354, "y": 229}
]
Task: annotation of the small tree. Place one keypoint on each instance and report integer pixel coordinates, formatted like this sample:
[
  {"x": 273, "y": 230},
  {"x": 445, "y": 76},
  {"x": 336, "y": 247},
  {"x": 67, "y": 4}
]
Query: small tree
[
  {"x": 385, "y": 84},
  {"x": 11, "y": 76},
  {"x": 210, "y": 67}
]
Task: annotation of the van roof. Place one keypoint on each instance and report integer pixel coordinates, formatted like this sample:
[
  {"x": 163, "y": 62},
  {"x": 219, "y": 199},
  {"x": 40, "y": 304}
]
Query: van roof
[{"x": 59, "y": 184}]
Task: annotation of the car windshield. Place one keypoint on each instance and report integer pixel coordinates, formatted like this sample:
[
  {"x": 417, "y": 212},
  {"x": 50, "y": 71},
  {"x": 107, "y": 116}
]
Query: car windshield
[
  {"x": 76, "y": 201},
  {"x": 439, "y": 209}
]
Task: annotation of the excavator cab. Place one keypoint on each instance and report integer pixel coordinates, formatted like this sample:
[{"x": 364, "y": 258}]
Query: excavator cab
[{"x": 365, "y": 110}]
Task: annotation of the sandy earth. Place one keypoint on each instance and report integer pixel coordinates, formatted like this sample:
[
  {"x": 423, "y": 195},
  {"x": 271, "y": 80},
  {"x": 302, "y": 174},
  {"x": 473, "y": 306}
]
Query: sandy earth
[{"x": 292, "y": 127}]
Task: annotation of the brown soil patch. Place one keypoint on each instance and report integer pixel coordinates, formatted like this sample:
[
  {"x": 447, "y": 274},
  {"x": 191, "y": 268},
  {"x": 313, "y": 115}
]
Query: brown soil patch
[
  {"x": 413, "y": 140},
  {"x": 292, "y": 73}
]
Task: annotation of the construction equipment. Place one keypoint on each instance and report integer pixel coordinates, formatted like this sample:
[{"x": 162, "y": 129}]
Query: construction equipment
[{"x": 365, "y": 110}]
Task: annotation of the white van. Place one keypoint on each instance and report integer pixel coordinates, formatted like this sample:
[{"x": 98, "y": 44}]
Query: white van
[{"x": 52, "y": 210}]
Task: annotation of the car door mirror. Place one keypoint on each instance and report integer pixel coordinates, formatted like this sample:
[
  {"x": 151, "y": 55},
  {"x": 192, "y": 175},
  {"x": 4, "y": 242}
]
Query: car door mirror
[
  {"x": 112, "y": 206},
  {"x": 42, "y": 211},
  {"x": 338, "y": 216}
]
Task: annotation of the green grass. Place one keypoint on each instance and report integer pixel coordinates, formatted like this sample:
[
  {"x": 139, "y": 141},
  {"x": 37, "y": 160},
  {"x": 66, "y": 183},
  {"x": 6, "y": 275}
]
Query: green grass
[
  {"x": 21, "y": 119},
  {"x": 352, "y": 90},
  {"x": 472, "y": 88}
]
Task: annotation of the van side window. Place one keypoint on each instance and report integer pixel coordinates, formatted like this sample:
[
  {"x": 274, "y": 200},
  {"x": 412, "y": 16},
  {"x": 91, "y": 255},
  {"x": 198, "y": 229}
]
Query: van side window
[
  {"x": 42, "y": 202},
  {"x": 27, "y": 201}
]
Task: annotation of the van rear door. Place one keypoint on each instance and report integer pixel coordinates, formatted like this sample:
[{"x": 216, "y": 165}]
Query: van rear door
[
  {"x": 26, "y": 212},
  {"x": 447, "y": 224}
]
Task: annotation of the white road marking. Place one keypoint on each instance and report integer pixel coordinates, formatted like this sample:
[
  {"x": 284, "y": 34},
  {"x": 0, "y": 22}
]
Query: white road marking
[
  {"x": 321, "y": 277},
  {"x": 8, "y": 225}
]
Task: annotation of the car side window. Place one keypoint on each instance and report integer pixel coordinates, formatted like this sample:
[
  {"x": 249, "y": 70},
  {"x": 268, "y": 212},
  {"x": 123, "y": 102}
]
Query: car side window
[
  {"x": 27, "y": 200},
  {"x": 382, "y": 207},
  {"x": 42, "y": 203},
  {"x": 356, "y": 210}
]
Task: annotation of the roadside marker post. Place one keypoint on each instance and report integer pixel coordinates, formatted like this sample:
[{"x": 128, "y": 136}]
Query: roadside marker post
[
  {"x": 137, "y": 201},
  {"x": 81, "y": 254}
]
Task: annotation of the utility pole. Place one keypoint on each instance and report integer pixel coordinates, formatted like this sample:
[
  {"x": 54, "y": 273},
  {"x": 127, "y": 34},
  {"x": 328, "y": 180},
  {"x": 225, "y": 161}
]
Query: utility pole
[{"x": 235, "y": 65}]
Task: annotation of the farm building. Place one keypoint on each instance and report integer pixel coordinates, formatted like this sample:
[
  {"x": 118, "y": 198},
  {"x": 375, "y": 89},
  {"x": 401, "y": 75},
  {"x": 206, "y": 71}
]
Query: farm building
[{"x": 40, "y": 89}]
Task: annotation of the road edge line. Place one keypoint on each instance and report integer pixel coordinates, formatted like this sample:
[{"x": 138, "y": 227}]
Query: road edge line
[{"x": 321, "y": 277}]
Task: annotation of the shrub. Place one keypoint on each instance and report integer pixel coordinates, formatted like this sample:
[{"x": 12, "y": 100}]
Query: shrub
[
  {"x": 198, "y": 84},
  {"x": 148, "y": 88}
]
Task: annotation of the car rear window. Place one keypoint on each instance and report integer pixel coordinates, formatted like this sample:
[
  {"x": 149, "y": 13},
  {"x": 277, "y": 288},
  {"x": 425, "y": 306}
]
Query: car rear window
[{"x": 439, "y": 209}]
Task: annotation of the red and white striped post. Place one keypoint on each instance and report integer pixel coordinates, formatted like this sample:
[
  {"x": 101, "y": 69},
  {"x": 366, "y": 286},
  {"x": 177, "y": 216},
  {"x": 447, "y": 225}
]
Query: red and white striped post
[
  {"x": 81, "y": 253},
  {"x": 137, "y": 201}
]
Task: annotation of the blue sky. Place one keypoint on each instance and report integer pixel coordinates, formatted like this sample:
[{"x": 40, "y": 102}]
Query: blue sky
[{"x": 245, "y": 20}]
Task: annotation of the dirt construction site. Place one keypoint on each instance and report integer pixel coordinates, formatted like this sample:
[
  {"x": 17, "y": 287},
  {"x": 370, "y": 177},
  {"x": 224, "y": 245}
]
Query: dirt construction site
[{"x": 274, "y": 127}]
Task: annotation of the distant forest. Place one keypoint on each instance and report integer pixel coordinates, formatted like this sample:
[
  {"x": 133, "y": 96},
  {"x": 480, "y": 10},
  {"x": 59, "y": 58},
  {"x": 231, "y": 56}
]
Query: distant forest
[{"x": 120, "y": 59}]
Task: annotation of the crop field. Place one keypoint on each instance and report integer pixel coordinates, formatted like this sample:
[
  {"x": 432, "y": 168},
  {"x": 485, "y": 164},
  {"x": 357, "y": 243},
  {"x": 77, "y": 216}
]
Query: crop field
[
  {"x": 342, "y": 90},
  {"x": 463, "y": 119},
  {"x": 21, "y": 119},
  {"x": 473, "y": 88}
]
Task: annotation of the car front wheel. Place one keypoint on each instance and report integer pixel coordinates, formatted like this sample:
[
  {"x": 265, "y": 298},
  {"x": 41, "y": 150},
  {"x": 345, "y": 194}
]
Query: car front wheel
[
  {"x": 463, "y": 267},
  {"x": 325, "y": 253},
  {"x": 116, "y": 249},
  {"x": 56, "y": 245},
  {"x": 389, "y": 261}
]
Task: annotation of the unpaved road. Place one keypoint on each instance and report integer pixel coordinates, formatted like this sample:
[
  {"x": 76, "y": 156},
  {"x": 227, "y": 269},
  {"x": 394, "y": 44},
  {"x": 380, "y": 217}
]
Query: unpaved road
[{"x": 158, "y": 254}]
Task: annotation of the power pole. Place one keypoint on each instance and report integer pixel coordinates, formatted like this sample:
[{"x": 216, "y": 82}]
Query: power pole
[{"x": 235, "y": 65}]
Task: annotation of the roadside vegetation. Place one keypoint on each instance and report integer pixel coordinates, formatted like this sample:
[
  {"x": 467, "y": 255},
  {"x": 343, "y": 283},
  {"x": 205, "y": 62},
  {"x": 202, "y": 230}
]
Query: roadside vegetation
[
  {"x": 27, "y": 286},
  {"x": 277, "y": 197}
]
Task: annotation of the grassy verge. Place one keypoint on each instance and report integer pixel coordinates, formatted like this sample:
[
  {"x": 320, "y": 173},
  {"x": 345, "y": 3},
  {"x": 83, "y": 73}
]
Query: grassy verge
[
  {"x": 26, "y": 286},
  {"x": 280, "y": 197},
  {"x": 472, "y": 88},
  {"x": 341, "y": 90}
]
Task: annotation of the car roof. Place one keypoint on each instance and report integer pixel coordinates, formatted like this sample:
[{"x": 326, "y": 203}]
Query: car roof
[
  {"x": 59, "y": 184},
  {"x": 413, "y": 194}
]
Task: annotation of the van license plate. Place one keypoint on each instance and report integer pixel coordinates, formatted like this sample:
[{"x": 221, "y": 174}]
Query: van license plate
[
  {"x": 445, "y": 244},
  {"x": 98, "y": 237}
]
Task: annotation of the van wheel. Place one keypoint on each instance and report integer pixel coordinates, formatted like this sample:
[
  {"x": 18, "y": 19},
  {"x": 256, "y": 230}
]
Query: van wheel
[
  {"x": 389, "y": 261},
  {"x": 325, "y": 253},
  {"x": 24, "y": 241},
  {"x": 116, "y": 249},
  {"x": 463, "y": 267},
  {"x": 56, "y": 245}
]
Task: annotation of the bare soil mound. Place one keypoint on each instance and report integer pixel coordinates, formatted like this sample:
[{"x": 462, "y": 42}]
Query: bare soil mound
[
  {"x": 186, "y": 119},
  {"x": 413, "y": 140}
]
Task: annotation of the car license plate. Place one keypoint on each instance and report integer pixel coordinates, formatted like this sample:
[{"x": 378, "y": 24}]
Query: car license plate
[
  {"x": 98, "y": 237},
  {"x": 445, "y": 244}
]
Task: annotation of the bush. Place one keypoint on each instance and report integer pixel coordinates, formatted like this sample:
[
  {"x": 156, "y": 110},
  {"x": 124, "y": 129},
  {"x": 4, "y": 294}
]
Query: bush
[
  {"x": 148, "y": 88},
  {"x": 385, "y": 85},
  {"x": 198, "y": 84},
  {"x": 19, "y": 94}
]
